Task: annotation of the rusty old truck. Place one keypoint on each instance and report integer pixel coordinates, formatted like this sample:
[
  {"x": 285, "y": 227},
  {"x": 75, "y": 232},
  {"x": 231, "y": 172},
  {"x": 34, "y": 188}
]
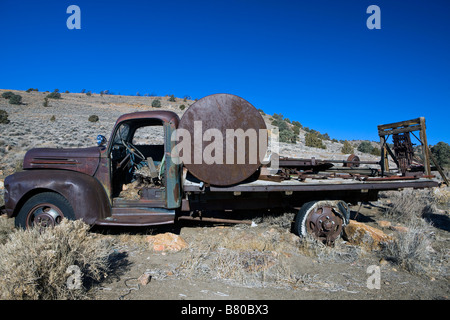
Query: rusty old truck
[{"x": 90, "y": 183}]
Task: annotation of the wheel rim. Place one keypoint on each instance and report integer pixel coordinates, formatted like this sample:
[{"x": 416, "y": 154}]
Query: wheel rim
[
  {"x": 45, "y": 215},
  {"x": 355, "y": 164},
  {"x": 324, "y": 223}
]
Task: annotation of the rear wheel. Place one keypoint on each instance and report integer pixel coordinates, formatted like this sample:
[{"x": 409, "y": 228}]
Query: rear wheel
[
  {"x": 45, "y": 209},
  {"x": 321, "y": 219}
]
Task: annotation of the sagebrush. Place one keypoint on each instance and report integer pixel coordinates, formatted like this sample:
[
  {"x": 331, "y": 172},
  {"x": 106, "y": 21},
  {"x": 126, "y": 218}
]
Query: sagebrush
[
  {"x": 34, "y": 263},
  {"x": 412, "y": 249}
]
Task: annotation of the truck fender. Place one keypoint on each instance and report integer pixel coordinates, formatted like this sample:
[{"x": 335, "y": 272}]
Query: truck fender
[{"x": 85, "y": 193}]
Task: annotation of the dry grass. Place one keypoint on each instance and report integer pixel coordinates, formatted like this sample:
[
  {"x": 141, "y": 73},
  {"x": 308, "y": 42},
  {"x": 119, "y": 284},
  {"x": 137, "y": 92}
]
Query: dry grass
[
  {"x": 252, "y": 257},
  {"x": 34, "y": 263},
  {"x": 259, "y": 256},
  {"x": 339, "y": 252},
  {"x": 408, "y": 204},
  {"x": 442, "y": 197},
  {"x": 412, "y": 249},
  {"x": 6, "y": 228}
]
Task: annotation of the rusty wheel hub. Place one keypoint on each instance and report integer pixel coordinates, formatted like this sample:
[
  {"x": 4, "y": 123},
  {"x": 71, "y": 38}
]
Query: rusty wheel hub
[
  {"x": 324, "y": 224},
  {"x": 45, "y": 215},
  {"x": 353, "y": 161}
]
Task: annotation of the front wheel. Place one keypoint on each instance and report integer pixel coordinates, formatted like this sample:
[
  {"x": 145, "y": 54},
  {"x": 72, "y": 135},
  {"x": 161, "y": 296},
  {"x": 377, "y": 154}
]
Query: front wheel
[{"x": 44, "y": 209}]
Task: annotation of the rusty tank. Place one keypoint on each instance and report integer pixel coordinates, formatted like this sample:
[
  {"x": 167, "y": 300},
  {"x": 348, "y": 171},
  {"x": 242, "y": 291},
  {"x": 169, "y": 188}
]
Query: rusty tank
[{"x": 234, "y": 129}]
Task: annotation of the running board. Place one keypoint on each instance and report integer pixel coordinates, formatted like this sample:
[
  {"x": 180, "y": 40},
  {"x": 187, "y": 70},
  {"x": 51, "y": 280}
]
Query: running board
[{"x": 138, "y": 217}]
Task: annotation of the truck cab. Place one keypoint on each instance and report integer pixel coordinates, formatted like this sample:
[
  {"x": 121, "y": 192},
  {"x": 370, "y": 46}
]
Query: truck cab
[{"x": 88, "y": 183}]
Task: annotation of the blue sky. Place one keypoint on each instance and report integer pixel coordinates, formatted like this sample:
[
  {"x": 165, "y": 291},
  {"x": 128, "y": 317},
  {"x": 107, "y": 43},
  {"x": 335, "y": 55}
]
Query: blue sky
[{"x": 313, "y": 61}]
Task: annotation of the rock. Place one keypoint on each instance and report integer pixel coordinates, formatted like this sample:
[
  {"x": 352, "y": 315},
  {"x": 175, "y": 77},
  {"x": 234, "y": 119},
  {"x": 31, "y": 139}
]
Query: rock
[
  {"x": 144, "y": 279},
  {"x": 399, "y": 228},
  {"x": 361, "y": 234},
  {"x": 383, "y": 262},
  {"x": 166, "y": 242},
  {"x": 384, "y": 223}
]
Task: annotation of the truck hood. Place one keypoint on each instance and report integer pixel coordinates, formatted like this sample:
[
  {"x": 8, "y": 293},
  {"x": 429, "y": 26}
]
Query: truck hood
[{"x": 83, "y": 160}]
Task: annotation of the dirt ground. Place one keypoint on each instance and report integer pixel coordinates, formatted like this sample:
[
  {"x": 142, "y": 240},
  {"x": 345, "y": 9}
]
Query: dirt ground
[{"x": 330, "y": 273}]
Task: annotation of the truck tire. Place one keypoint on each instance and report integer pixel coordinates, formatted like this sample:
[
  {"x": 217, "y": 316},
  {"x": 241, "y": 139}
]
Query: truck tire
[
  {"x": 300, "y": 219},
  {"x": 321, "y": 219},
  {"x": 46, "y": 209}
]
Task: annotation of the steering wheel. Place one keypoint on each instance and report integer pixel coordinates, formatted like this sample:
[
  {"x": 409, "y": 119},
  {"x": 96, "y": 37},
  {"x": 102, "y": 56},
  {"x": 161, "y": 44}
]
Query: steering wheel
[{"x": 133, "y": 150}]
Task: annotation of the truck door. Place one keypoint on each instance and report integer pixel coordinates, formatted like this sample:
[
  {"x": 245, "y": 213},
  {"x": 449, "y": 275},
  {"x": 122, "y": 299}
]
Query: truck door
[
  {"x": 143, "y": 172},
  {"x": 173, "y": 169}
]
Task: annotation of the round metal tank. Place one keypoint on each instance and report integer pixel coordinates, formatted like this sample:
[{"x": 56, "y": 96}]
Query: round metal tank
[{"x": 222, "y": 130}]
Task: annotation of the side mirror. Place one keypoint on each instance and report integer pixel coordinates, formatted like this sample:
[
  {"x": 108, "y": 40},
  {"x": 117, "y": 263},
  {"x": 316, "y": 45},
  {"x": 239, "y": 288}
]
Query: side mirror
[{"x": 101, "y": 140}]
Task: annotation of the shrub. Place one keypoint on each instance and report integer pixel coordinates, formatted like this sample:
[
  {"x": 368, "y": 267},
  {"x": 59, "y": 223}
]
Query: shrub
[
  {"x": 297, "y": 124},
  {"x": 34, "y": 263},
  {"x": 287, "y": 135},
  {"x": 312, "y": 139},
  {"x": 53, "y": 118},
  {"x": 4, "y": 117},
  {"x": 45, "y": 103},
  {"x": 408, "y": 204},
  {"x": 54, "y": 95},
  {"x": 156, "y": 103},
  {"x": 93, "y": 118},
  {"x": 441, "y": 152},
  {"x": 285, "y": 132},
  {"x": 7, "y": 94},
  {"x": 347, "y": 148},
  {"x": 365, "y": 147},
  {"x": 376, "y": 151},
  {"x": 410, "y": 249},
  {"x": 15, "y": 99},
  {"x": 280, "y": 124},
  {"x": 278, "y": 116},
  {"x": 6, "y": 228},
  {"x": 182, "y": 107},
  {"x": 172, "y": 98},
  {"x": 89, "y": 93}
]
